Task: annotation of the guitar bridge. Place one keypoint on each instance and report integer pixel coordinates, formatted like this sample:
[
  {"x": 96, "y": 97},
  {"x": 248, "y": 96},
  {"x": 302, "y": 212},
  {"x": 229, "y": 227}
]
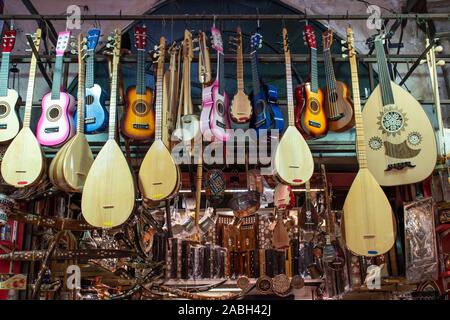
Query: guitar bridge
[
  {"x": 51, "y": 130},
  {"x": 143, "y": 126},
  {"x": 3, "y": 126},
  {"x": 399, "y": 166},
  {"x": 89, "y": 120},
  {"x": 336, "y": 118},
  {"x": 314, "y": 124}
]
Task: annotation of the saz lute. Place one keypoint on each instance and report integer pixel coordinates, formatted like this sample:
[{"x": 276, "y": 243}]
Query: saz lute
[
  {"x": 23, "y": 162},
  {"x": 369, "y": 226},
  {"x": 241, "y": 108},
  {"x": 9, "y": 121},
  {"x": 158, "y": 174},
  {"x": 294, "y": 163},
  {"x": 402, "y": 145},
  {"x": 109, "y": 193}
]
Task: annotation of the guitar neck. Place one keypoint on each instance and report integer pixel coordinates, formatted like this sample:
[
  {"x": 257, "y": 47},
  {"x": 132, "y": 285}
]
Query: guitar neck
[
  {"x": 220, "y": 72},
  {"x": 329, "y": 70},
  {"x": 314, "y": 77},
  {"x": 141, "y": 81},
  {"x": 360, "y": 139},
  {"x": 255, "y": 75},
  {"x": 113, "y": 102},
  {"x": 240, "y": 67},
  {"x": 290, "y": 96},
  {"x": 81, "y": 95},
  {"x": 198, "y": 188},
  {"x": 158, "y": 101},
  {"x": 187, "y": 100},
  {"x": 56, "y": 82},
  {"x": 90, "y": 69},
  {"x": 4, "y": 74},
  {"x": 385, "y": 80},
  {"x": 30, "y": 91}
]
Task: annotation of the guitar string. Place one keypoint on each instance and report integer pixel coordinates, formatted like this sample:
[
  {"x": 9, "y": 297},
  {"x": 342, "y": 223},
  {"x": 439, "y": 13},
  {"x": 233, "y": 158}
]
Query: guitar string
[{"x": 331, "y": 103}]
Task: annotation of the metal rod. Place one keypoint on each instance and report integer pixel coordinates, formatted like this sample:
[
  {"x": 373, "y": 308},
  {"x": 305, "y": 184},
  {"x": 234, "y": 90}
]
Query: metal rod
[{"x": 279, "y": 17}]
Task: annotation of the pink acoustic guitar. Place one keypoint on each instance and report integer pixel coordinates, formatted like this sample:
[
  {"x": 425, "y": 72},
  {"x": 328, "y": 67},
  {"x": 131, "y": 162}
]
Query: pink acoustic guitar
[
  {"x": 215, "y": 103},
  {"x": 56, "y": 124}
]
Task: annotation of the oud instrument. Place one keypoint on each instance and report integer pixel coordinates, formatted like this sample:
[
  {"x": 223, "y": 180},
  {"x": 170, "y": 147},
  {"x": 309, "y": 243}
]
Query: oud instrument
[
  {"x": 109, "y": 194},
  {"x": 138, "y": 121},
  {"x": 9, "y": 120},
  {"x": 23, "y": 162},
  {"x": 266, "y": 112},
  {"x": 70, "y": 166},
  {"x": 338, "y": 104},
  {"x": 401, "y": 141},
  {"x": 214, "y": 117},
  {"x": 158, "y": 174},
  {"x": 310, "y": 116},
  {"x": 368, "y": 220},
  {"x": 294, "y": 163},
  {"x": 241, "y": 109},
  {"x": 56, "y": 124},
  {"x": 96, "y": 116}
]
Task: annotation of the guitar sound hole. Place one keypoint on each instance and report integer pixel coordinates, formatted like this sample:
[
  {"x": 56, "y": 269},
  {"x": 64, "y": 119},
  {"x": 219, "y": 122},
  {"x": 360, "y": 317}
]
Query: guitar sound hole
[
  {"x": 3, "y": 109},
  {"x": 220, "y": 108},
  {"x": 141, "y": 108},
  {"x": 314, "y": 106},
  {"x": 53, "y": 113},
  {"x": 89, "y": 99}
]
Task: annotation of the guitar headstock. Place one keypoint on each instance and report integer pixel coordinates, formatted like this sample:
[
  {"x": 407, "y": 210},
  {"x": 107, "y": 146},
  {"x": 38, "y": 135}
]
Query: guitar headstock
[
  {"x": 380, "y": 38},
  {"x": 350, "y": 42},
  {"x": 286, "y": 41},
  {"x": 36, "y": 37},
  {"x": 114, "y": 45},
  {"x": 236, "y": 41},
  {"x": 63, "y": 41},
  {"x": 327, "y": 39},
  {"x": 159, "y": 52},
  {"x": 188, "y": 52},
  {"x": 140, "y": 37},
  {"x": 216, "y": 39},
  {"x": 256, "y": 41},
  {"x": 8, "y": 40},
  {"x": 82, "y": 49},
  {"x": 310, "y": 37},
  {"x": 93, "y": 35}
]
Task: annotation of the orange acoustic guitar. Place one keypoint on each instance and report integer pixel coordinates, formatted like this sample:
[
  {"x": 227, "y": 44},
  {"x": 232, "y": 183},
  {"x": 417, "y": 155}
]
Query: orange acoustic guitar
[
  {"x": 138, "y": 121},
  {"x": 310, "y": 116}
]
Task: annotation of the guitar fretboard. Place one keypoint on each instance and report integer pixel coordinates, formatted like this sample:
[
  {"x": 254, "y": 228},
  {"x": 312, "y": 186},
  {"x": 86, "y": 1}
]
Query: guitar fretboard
[
  {"x": 81, "y": 95},
  {"x": 30, "y": 90},
  {"x": 290, "y": 96},
  {"x": 385, "y": 80},
  {"x": 159, "y": 97},
  {"x": 56, "y": 82},
  {"x": 141, "y": 79},
  {"x": 314, "y": 77},
  {"x": 329, "y": 70},
  {"x": 255, "y": 75},
  {"x": 4, "y": 74},
  {"x": 90, "y": 69},
  {"x": 113, "y": 102},
  {"x": 240, "y": 67},
  {"x": 220, "y": 72}
]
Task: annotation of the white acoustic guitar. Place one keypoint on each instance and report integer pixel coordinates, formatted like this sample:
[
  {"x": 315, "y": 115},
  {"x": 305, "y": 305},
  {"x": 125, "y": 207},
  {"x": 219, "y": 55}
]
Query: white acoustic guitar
[
  {"x": 9, "y": 121},
  {"x": 159, "y": 174},
  {"x": 109, "y": 194},
  {"x": 401, "y": 141},
  {"x": 294, "y": 164},
  {"x": 368, "y": 220},
  {"x": 23, "y": 162}
]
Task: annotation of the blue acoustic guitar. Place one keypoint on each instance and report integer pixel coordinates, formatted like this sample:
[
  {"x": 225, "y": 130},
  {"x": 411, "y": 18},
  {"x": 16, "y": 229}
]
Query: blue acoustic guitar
[
  {"x": 96, "y": 116},
  {"x": 266, "y": 112}
]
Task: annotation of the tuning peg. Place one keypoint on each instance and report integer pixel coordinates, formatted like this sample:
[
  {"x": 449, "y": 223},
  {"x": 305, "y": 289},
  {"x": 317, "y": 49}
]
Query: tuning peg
[
  {"x": 344, "y": 49},
  {"x": 73, "y": 51},
  {"x": 440, "y": 63},
  {"x": 343, "y": 41},
  {"x": 423, "y": 61},
  {"x": 110, "y": 38},
  {"x": 438, "y": 48},
  {"x": 344, "y": 55},
  {"x": 109, "y": 45}
]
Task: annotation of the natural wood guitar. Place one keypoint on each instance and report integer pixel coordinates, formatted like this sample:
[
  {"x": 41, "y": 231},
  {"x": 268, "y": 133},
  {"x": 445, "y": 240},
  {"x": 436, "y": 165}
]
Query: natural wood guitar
[
  {"x": 23, "y": 163},
  {"x": 241, "y": 108},
  {"x": 294, "y": 163},
  {"x": 109, "y": 193},
  {"x": 158, "y": 174},
  {"x": 337, "y": 103},
  {"x": 402, "y": 145},
  {"x": 369, "y": 227}
]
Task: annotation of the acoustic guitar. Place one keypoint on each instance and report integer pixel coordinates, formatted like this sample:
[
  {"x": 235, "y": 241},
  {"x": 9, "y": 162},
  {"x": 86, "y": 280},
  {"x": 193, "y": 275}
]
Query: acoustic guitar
[
  {"x": 77, "y": 158},
  {"x": 402, "y": 145},
  {"x": 241, "y": 109},
  {"x": 309, "y": 219},
  {"x": 23, "y": 162},
  {"x": 188, "y": 124},
  {"x": 369, "y": 226},
  {"x": 158, "y": 174},
  {"x": 56, "y": 124},
  {"x": 309, "y": 115},
  {"x": 109, "y": 195},
  {"x": 214, "y": 117},
  {"x": 96, "y": 116},
  {"x": 9, "y": 120},
  {"x": 294, "y": 163},
  {"x": 138, "y": 120},
  {"x": 337, "y": 103}
]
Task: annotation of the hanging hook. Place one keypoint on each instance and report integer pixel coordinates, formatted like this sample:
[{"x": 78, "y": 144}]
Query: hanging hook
[
  {"x": 214, "y": 21},
  {"x": 257, "y": 19}
]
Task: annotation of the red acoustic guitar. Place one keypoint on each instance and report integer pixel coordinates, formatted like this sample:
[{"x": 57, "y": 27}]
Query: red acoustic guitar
[{"x": 310, "y": 116}]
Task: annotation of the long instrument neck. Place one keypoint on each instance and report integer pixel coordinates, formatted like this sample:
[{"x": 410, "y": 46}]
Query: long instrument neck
[
  {"x": 158, "y": 102},
  {"x": 4, "y": 74},
  {"x": 314, "y": 77},
  {"x": 113, "y": 102},
  {"x": 30, "y": 91},
  {"x": 56, "y": 82},
  {"x": 240, "y": 67},
  {"x": 255, "y": 75},
  {"x": 290, "y": 96},
  {"x": 385, "y": 80},
  {"x": 141, "y": 81},
  {"x": 329, "y": 70},
  {"x": 90, "y": 69},
  {"x": 360, "y": 139},
  {"x": 220, "y": 72},
  {"x": 81, "y": 97}
]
